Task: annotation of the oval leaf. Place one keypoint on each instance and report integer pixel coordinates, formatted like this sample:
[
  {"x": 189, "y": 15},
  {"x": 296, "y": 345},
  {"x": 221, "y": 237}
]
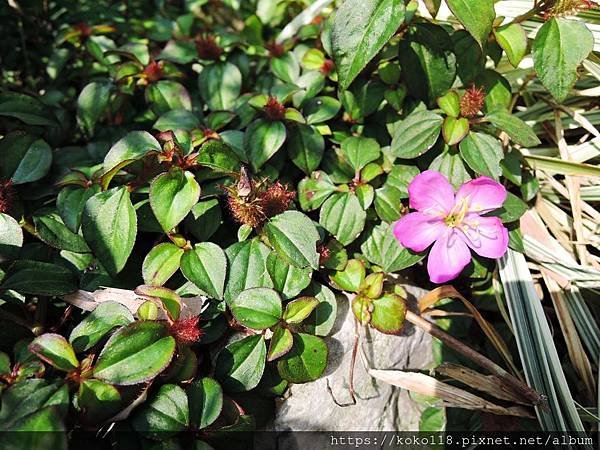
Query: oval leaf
[
  {"x": 206, "y": 267},
  {"x": 257, "y": 308},
  {"x": 306, "y": 361},
  {"x": 109, "y": 226},
  {"x": 55, "y": 350},
  {"x": 135, "y": 354},
  {"x": 360, "y": 29},
  {"x": 240, "y": 365},
  {"x": 172, "y": 196},
  {"x": 161, "y": 263}
]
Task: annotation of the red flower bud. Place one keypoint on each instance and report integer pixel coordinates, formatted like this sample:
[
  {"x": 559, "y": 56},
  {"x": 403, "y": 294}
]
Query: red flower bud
[
  {"x": 187, "y": 331},
  {"x": 472, "y": 102},
  {"x": 208, "y": 48},
  {"x": 273, "y": 109}
]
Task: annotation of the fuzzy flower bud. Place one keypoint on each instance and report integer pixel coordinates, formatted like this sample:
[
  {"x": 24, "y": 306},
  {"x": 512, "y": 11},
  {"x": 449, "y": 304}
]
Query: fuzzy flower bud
[{"x": 472, "y": 102}]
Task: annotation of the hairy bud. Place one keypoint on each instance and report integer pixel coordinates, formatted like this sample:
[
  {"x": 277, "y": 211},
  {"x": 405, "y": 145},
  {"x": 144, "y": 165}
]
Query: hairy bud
[
  {"x": 472, "y": 102},
  {"x": 208, "y": 48},
  {"x": 187, "y": 331}
]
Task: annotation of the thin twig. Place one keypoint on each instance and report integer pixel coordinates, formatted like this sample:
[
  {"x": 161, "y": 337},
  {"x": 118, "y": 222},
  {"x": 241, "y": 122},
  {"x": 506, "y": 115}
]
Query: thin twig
[{"x": 352, "y": 364}]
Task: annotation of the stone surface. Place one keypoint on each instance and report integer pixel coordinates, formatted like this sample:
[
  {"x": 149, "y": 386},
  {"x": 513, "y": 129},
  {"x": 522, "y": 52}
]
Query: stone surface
[{"x": 380, "y": 407}]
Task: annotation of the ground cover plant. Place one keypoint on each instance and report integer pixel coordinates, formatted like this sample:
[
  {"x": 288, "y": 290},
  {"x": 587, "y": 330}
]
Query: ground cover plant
[{"x": 187, "y": 187}]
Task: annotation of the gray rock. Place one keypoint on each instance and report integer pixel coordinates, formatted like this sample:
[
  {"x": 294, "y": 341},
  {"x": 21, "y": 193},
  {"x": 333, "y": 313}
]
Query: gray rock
[{"x": 380, "y": 407}]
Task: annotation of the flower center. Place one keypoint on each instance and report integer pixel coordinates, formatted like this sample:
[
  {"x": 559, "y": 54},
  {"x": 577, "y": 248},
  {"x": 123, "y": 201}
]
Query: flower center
[{"x": 457, "y": 214}]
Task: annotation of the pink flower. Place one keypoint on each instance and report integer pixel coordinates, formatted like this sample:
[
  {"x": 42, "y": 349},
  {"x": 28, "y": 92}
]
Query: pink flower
[{"x": 452, "y": 223}]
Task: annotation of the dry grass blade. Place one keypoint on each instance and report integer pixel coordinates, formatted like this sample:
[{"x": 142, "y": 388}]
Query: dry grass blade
[
  {"x": 518, "y": 387},
  {"x": 490, "y": 384},
  {"x": 451, "y": 396},
  {"x": 575, "y": 350},
  {"x": 573, "y": 188},
  {"x": 448, "y": 291}
]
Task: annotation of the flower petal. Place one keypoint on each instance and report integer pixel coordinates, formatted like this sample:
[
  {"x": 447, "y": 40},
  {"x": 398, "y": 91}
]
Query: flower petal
[
  {"x": 448, "y": 257},
  {"x": 482, "y": 194},
  {"x": 417, "y": 231},
  {"x": 485, "y": 235},
  {"x": 431, "y": 193}
]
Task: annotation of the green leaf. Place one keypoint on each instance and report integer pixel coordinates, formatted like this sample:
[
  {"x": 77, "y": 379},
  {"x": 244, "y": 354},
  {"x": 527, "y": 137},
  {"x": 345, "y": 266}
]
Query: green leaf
[
  {"x": 306, "y": 361},
  {"x": 513, "y": 40},
  {"x": 262, "y": 139},
  {"x": 294, "y": 236},
  {"x": 172, "y": 196},
  {"x": 427, "y": 60},
  {"x": 288, "y": 279},
  {"x": 109, "y": 226},
  {"x": 388, "y": 313},
  {"x": 455, "y": 129},
  {"x": 257, "y": 308},
  {"x": 383, "y": 249},
  {"x": 281, "y": 343},
  {"x": 343, "y": 216},
  {"x": 219, "y": 157},
  {"x": 433, "y": 420},
  {"x": 39, "y": 278},
  {"x": 34, "y": 164},
  {"x": 53, "y": 232},
  {"x": 91, "y": 105},
  {"x": 165, "y": 415},
  {"x": 177, "y": 119},
  {"x": 26, "y": 108},
  {"x": 558, "y": 49},
  {"x": 99, "y": 323},
  {"x": 360, "y": 29},
  {"x": 70, "y": 203},
  {"x": 206, "y": 266},
  {"x": 240, "y": 365},
  {"x": 205, "y": 398},
  {"x": 247, "y": 267},
  {"x": 11, "y": 236},
  {"x": 450, "y": 103},
  {"x": 220, "y": 85},
  {"x": 204, "y": 219},
  {"x": 416, "y": 134},
  {"x": 512, "y": 209},
  {"x": 161, "y": 263},
  {"x": 135, "y": 354},
  {"x": 167, "y": 95},
  {"x": 476, "y": 16},
  {"x": 517, "y": 130},
  {"x": 313, "y": 191},
  {"x": 135, "y": 145},
  {"x": 286, "y": 67},
  {"x": 320, "y": 109},
  {"x": 23, "y": 401},
  {"x": 350, "y": 279},
  {"x": 337, "y": 258},
  {"x": 298, "y": 310},
  {"x": 170, "y": 301},
  {"x": 361, "y": 308},
  {"x": 321, "y": 321},
  {"x": 451, "y": 165},
  {"x": 483, "y": 154},
  {"x": 305, "y": 147},
  {"x": 55, "y": 350},
  {"x": 360, "y": 151},
  {"x": 498, "y": 92},
  {"x": 97, "y": 401}
]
